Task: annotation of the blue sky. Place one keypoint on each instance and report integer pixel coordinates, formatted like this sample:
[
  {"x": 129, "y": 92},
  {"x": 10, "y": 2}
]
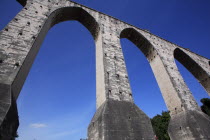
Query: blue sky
[{"x": 57, "y": 101}]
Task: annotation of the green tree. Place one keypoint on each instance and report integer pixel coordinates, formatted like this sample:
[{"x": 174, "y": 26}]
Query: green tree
[
  {"x": 206, "y": 106},
  {"x": 160, "y": 125},
  {"x": 160, "y": 122}
]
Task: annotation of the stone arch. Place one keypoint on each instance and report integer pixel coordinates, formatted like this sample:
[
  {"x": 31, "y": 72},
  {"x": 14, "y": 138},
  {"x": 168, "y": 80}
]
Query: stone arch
[
  {"x": 57, "y": 16},
  {"x": 145, "y": 46},
  {"x": 73, "y": 13},
  {"x": 142, "y": 81},
  {"x": 19, "y": 75},
  {"x": 139, "y": 40},
  {"x": 193, "y": 67},
  {"x": 164, "y": 81}
]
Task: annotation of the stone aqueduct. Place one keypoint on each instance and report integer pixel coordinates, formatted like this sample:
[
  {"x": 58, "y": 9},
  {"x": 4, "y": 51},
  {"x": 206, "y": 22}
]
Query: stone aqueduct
[{"x": 117, "y": 117}]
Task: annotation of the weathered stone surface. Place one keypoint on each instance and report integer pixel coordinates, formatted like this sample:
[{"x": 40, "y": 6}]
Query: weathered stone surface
[
  {"x": 189, "y": 125},
  {"x": 21, "y": 39},
  {"x": 120, "y": 120},
  {"x": 8, "y": 129},
  {"x": 5, "y": 100}
]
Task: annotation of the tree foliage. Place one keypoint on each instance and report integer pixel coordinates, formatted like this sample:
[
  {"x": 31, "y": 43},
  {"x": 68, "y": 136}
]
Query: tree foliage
[
  {"x": 160, "y": 122},
  {"x": 160, "y": 125}
]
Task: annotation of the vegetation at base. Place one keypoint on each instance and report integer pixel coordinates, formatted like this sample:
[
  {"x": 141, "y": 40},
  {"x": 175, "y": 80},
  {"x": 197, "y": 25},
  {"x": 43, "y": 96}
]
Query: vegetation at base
[
  {"x": 160, "y": 125},
  {"x": 160, "y": 122}
]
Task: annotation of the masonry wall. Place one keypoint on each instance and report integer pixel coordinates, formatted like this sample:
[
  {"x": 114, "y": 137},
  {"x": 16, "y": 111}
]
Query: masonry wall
[{"x": 21, "y": 39}]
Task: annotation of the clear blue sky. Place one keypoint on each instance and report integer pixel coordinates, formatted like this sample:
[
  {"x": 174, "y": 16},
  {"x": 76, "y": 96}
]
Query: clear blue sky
[{"x": 57, "y": 101}]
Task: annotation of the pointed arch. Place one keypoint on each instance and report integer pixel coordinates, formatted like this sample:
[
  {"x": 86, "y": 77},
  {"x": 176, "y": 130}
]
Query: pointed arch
[
  {"x": 138, "y": 39},
  {"x": 73, "y": 13}
]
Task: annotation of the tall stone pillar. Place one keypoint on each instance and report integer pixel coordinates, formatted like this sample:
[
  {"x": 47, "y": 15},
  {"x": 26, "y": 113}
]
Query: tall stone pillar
[
  {"x": 16, "y": 39},
  {"x": 18, "y": 47},
  {"x": 117, "y": 117}
]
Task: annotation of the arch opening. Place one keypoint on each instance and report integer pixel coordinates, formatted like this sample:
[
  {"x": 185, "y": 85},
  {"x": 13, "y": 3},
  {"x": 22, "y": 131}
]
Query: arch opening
[
  {"x": 136, "y": 38},
  {"x": 144, "y": 86},
  {"x": 188, "y": 62},
  {"x": 60, "y": 82},
  {"x": 75, "y": 13},
  {"x": 58, "y": 16},
  {"x": 146, "y": 91},
  {"x": 192, "y": 74}
]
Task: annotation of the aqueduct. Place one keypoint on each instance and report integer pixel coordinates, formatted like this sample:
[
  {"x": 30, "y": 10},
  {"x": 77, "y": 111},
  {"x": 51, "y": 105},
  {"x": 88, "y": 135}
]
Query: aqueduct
[{"x": 117, "y": 117}]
